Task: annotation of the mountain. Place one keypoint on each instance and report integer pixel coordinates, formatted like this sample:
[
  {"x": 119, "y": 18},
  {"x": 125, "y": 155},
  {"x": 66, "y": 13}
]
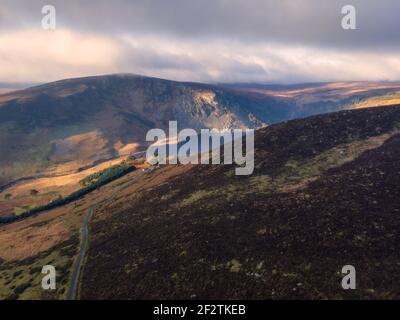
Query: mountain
[
  {"x": 9, "y": 87},
  {"x": 69, "y": 125},
  {"x": 324, "y": 194},
  {"x": 317, "y": 98}
]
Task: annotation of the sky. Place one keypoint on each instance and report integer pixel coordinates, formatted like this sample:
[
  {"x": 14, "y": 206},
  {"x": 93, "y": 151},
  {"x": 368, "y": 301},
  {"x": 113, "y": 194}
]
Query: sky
[{"x": 268, "y": 41}]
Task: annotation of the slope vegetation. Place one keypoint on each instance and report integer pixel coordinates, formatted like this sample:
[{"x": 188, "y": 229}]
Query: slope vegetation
[{"x": 324, "y": 194}]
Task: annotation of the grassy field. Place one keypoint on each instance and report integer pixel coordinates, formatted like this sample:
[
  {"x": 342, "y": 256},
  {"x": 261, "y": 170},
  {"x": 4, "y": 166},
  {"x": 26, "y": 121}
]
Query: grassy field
[
  {"x": 19, "y": 196},
  {"x": 50, "y": 238},
  {"x": 103, "y": 177},
  {"x": 392, "y": 98},
  {"x": 22, "y": 279}
]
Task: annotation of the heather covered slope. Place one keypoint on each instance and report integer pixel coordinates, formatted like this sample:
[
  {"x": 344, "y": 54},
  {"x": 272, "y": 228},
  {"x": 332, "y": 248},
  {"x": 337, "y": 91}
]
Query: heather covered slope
[{"x": 324, "y": 194}]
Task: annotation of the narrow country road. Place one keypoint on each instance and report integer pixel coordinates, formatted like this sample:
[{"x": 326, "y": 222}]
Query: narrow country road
[
  {"x": 78, "y": 267},
  {"x": 72, "y": 292}
]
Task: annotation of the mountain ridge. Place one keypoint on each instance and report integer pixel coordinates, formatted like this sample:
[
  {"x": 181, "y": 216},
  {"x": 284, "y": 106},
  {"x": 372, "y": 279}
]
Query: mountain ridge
[
  {"x": 73, "y": 123},
  {"x": 70, "y": 124}
]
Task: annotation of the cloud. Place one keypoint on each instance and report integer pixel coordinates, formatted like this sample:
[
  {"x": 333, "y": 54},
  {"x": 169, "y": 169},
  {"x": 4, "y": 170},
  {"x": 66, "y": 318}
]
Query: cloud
[
  {"x": 34, "y": 55},
  {"x": 235, "y": 61},
  {"x": 308, "y": 22},
  {"x": 207, "y": 40}
]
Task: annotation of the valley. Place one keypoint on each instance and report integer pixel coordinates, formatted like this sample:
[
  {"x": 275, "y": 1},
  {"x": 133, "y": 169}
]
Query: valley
[{"x": 181, "y": 230}]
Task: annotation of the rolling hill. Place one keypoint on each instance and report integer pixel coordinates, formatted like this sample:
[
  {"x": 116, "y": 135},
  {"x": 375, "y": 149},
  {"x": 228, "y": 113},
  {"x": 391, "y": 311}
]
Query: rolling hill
[
  {"x": 70, "y": 125},
  {"x": 324, "y": 194}
]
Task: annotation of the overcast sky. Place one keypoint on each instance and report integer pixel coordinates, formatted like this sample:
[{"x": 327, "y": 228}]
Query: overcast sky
[{"x": 280, "y": 41}]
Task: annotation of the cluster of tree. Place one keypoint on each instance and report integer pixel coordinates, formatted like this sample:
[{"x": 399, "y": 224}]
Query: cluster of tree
[
  {"x": 103, "y": 177},
  {"x": 112, "y": 171}
]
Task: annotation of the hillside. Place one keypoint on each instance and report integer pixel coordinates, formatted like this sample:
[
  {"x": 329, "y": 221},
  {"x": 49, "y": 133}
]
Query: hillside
[
  {"x": 324, "y": 194},
  {"x": 389, "y": 99},
  {"x": 60, "y": 127},
  {"x": 317, "y": 98},
  {"x": 70, "y": 125}
]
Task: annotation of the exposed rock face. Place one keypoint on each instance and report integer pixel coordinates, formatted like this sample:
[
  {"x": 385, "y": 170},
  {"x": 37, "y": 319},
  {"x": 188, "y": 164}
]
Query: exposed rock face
[
  {"x": 118, "y": 110},
  {"x": 36, "y": 124}
]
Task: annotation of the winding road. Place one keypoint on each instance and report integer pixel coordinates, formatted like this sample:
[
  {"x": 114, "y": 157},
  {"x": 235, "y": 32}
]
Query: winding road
[{"x": 73, "y": 289}]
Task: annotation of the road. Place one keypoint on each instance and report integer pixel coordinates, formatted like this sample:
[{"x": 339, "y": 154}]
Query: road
[
  {"x": 78, "y": 267},
  {"x": 72, "y": 292}
]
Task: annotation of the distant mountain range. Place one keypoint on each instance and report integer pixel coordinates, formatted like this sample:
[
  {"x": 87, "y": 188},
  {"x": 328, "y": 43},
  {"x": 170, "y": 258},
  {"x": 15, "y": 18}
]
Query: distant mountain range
[
  {"x": 6, "y": 87},
  {"x": 68, "y": 125}
]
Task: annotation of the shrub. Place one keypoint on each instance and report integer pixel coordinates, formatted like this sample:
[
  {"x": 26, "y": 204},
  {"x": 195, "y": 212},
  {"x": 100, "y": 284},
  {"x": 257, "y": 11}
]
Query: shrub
[
  {"x": 21, "y": 288},
  {"x": 17, "y": 273},
  {"x": 102, "y": 175}
]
